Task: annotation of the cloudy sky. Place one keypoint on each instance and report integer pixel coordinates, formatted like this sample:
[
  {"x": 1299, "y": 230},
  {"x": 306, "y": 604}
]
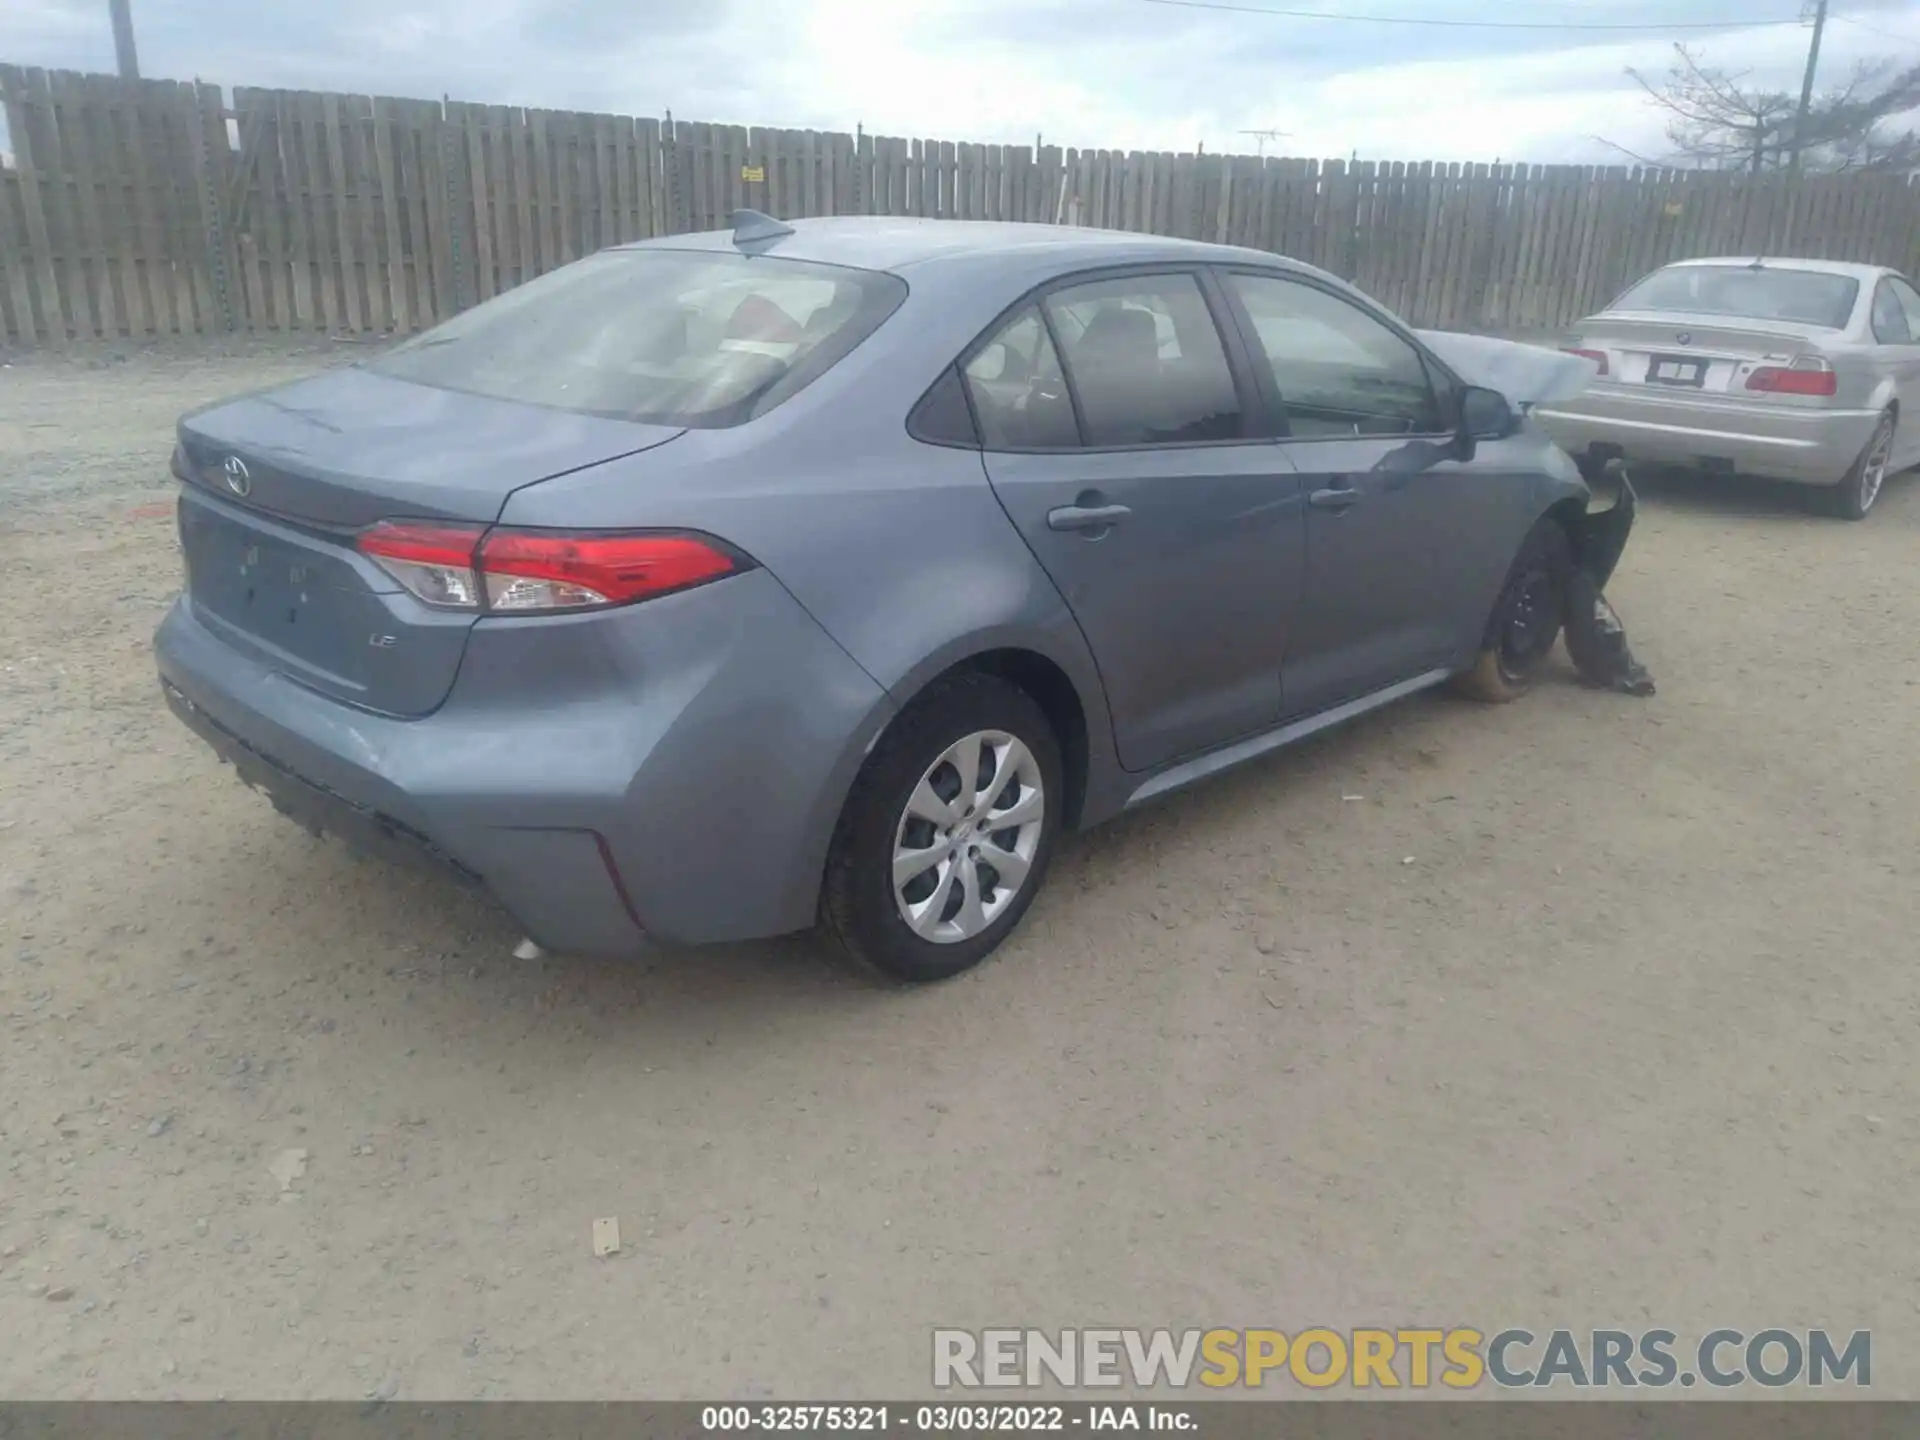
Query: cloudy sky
[{"x": 1125, "y": 73}]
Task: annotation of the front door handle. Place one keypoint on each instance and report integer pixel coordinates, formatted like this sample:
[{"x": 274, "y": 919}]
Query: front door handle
[
  {"x": 1086, "y": 517},
  {"x": 1334, "y": 499}
]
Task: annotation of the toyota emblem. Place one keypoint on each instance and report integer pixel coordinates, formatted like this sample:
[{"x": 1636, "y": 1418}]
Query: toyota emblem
[
  {"x": 1685, "y": 337},
  {"x": 238, "y": 480}
]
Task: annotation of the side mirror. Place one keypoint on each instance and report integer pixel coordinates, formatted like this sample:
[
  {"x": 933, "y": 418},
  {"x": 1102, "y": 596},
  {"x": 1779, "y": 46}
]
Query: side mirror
[{"x": 1485, "y": 415}]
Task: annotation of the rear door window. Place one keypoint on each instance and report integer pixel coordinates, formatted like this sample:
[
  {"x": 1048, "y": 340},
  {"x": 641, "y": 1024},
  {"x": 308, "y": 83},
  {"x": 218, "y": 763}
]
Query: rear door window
[
  {"x": 1018, "y": 389},
  {"x": 1145, "y": 361},
  {"x": 1909, "y": 300},
  {"x": 1889, "y": 319},
  {"x": 1339, "y": 370}
]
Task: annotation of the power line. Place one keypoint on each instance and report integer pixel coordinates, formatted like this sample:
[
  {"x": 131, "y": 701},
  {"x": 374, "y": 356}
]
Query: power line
[
  {"x": 1849, "y": 20},
  {"x": 1472, "y": 24}
]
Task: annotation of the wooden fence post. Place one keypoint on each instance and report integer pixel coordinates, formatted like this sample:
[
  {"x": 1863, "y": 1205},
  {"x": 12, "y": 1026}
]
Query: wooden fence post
[
  {"x": 205, "y": 108},
  {"x": 13, "y": 81}
]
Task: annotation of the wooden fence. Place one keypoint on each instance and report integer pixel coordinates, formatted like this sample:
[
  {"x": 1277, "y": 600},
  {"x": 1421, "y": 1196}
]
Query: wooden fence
[{"x": 157, "y": 207}]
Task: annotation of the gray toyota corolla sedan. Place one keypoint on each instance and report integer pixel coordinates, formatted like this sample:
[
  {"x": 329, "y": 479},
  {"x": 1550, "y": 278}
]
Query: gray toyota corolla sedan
[
  {"x": 1798, "y": 370},
  {"x": 722, "y": 585}
]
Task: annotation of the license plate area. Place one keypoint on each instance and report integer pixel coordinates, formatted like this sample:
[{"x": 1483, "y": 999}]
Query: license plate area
[
  {"x": 297, "y": 600},
  {"x": 1681, "y": 370}
]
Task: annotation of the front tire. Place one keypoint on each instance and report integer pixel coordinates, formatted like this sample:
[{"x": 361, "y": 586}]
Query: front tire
[
  {"x": 947, "y": 835},
  {"x": 1526, "y": 619},
  {"x": 1853, "y": 497}
]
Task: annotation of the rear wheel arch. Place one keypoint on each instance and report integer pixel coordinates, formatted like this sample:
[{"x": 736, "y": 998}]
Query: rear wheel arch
[
  {"x": 1057, "y": 696},
  {"x": 1049, "y": 686},
  {"x": 1072, "y": 714},
  {"x": 1856, "y": 492},
  {"x": 972, "y": 895}
]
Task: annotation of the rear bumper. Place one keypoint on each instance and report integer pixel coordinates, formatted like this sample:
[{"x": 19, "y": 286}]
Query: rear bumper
[
  {"x": 1804, "y": 445},
  {"x": 554, "y": 882},
  {"x": 314, "y": 806},
  {"x": 673, "y": 774}
]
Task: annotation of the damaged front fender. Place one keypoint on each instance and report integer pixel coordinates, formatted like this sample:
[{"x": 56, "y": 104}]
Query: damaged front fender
[
  {"x": 1599, "y": 536},
  {"x": 1527, "y": 375}
]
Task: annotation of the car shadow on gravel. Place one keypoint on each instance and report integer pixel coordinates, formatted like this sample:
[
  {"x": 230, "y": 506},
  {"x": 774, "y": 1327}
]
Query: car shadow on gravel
[
  {"x": 1701, "y": 494},
  {"x": 374, "y": 950},
  {"x": 369, "y": 948}
]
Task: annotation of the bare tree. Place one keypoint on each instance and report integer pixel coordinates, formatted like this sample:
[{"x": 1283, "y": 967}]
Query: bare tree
[
  {"x": 1858, "y": 126},
  {"x": 1717, "y": 121}
]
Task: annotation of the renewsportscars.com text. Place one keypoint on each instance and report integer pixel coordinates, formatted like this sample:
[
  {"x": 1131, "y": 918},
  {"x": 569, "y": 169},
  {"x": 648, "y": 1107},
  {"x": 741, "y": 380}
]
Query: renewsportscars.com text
[{"x": 1417, "y": 1358}]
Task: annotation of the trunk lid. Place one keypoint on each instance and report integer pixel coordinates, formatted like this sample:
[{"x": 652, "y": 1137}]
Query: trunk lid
[
  {"x": 278, "y": 485},
  {"x": 1701, "y": 353},
  {"x": 349, "y": 447}
]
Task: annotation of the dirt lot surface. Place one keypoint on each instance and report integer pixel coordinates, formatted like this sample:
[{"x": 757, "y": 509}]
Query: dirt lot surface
[{"x": 1584, "y": 1011}]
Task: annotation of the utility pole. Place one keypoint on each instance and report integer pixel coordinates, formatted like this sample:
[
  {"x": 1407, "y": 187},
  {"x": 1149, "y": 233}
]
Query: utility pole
[
  {"x": 122, "y": 11},
  {"x": 1262, "y": 136},
  {"x": 1806, "y": 83}
]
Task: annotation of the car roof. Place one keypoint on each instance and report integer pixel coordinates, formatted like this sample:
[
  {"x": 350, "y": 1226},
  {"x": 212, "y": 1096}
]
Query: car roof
[
  {"x": 886, "y": 242},
  {"x": 1791, "y": 262}
]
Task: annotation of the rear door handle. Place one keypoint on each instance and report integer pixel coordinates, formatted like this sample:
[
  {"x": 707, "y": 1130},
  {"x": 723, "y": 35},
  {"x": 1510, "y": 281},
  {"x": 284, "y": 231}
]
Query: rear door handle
[
  {"x": 1086, "y": 517},
  {"x": 1334, "y": 499}
]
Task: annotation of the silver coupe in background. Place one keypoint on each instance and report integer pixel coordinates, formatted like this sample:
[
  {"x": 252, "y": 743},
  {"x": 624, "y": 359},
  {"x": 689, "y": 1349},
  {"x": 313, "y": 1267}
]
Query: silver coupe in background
[{"x": 1800, "y": 370}]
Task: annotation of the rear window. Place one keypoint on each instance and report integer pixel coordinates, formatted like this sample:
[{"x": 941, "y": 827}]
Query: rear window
[
  {"x": 1806, "y": 297},
  {"x": 675, "y": 337}
]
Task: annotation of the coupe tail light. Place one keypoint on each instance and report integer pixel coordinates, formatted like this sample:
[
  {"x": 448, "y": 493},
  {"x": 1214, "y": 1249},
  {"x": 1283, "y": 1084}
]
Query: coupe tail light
[
  {"x": 1599, "y": 357},
  {"x": 464, "y": 567},
  {"x": 1801, "y": 378}
]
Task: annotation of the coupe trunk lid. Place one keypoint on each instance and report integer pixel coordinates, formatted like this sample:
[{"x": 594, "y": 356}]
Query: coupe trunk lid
[
  {"x": 278, "y": 485},
  {"x": 1698, "y": 353}
]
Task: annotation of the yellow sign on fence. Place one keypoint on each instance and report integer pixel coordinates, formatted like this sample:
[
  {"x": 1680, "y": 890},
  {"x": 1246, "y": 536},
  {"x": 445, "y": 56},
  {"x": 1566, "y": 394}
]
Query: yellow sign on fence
[{"x": 753, "y": 174}]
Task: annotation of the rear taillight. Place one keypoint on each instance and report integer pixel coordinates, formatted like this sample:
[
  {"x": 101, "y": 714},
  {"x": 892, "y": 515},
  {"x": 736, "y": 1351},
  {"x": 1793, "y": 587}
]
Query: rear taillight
[
  {"x": 533, "y": 571},
  {"x": 1798, "y": 379},
  {"x": 1597, "y": 356},
  {"x": 435, "y": 562}
]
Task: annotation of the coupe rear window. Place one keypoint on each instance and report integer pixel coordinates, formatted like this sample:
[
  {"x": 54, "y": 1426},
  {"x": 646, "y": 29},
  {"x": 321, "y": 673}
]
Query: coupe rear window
[
  {"x": 1806, "y": 297},
  {"x": 674, "y": 337}
]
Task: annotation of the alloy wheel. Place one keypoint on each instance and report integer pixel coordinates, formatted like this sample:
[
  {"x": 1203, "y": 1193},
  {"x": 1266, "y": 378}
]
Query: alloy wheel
[{"x": 1873, "y": 472}]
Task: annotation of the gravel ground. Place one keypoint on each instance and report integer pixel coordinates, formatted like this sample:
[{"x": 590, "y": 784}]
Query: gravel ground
[{"x": 1588, "y": 1011}]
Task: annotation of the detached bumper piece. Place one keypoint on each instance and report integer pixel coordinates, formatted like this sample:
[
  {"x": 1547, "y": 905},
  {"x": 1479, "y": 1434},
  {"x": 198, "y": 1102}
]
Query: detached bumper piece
[{"x": 1596, "y": 639}]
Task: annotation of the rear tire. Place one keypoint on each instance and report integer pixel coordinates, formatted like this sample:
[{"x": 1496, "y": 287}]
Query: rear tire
[
  {"x": 1854, "y": 496},
  {"x": 974, "y": 854},
  {"x": 1525, "y": 622}
]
